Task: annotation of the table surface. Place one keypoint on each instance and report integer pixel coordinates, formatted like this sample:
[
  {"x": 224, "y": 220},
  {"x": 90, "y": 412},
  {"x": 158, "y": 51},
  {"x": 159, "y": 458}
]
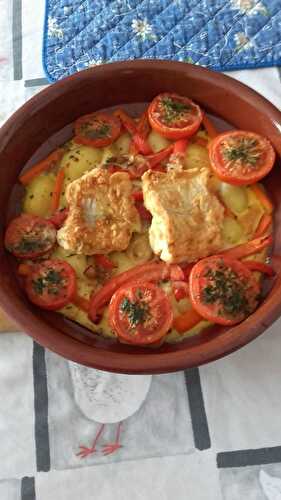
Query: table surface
[{"x": 208, "y": 434}]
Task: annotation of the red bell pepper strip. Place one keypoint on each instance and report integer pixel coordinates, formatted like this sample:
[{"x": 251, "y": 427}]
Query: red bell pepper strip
[
  {"x": 59, "y": 217},
  {"x": 254, "y": 265},
  {"x": 180, "y": 146},
  {"x": 81, "y": 303},
  {"x": 143, "y": 212},
  {"x": 176, "y": 273},
  {"x": 137, "y": 195},
  {"x": 51, "y": 161},
  {"x": 156, "y": 158},
  {"x": 127, "y": 122},
  {"x": 264, "y": 224},
  {"x": 104, "y": 262},
  {"x": 209, "y": 127},
  {"x": 58, "y": 187},
  {"x": 187, "y": 269},
  {"x": 249, "y": 248},
  {"x": 153, "y": 271},
  {"x": 140, "y": 138},
  {"x": 263, "y": 198},
  {"x": 180, "y": 289},
  {"x": 200, "y": 141},
  {"x": 186, "y": 321}
]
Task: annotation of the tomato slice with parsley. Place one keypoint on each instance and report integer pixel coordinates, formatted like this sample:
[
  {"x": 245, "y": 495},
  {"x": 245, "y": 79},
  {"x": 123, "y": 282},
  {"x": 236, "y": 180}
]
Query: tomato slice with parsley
[
  {"x": 240, "y": 157},
  {"x": 223, "y": 290},
  {"x": 174, "y": 116},
  {"x": 97, "y": 129},
  {"x": 51, "y": 284},
  {"x": 29, "y": 236},
  {"x": 140, "y": 313}
]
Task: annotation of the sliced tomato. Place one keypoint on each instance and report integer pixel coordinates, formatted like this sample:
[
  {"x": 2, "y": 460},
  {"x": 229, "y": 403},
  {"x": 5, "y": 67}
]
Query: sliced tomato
[
  {"x": 51, "y": 284},
  {"x": 97, "y": 129},
  {"x": 223, "y": 290},
  {"x": 240, "y": 157},
  {"x": 29, "y": 236},
  {"x": 59, "y": 217},
  {"x": 140, "y": 313},
  {"x": 174, "y": 116},
  {"x": 154, "y": 271}
]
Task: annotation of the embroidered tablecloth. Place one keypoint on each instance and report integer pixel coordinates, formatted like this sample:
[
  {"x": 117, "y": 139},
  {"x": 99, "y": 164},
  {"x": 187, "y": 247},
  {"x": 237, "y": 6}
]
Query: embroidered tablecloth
[{"x": 67, "y": 432}]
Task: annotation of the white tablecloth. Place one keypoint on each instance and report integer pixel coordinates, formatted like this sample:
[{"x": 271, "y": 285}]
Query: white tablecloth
[{"x": 205, "y": 434}]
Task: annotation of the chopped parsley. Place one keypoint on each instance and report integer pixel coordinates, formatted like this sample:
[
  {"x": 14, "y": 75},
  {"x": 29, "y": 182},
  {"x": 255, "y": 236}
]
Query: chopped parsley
[
  {"x": 26, "y": 245},
  {"x": 51, "y": 282},
  {"x": 38, "y": 286},
  {"x": 98, "y": 130},
  {"x": 173, "y": 110},
  {"x": 244, "y": 149},
  {"x": 137, "y": 312},
  {"x": 228, "y": 290}
]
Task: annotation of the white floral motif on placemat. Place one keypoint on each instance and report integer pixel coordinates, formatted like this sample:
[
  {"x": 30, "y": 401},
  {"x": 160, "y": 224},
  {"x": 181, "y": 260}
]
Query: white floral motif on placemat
[
  {"x": 107, "y": 398},
  {"x": 54, "y": 28},
  {"x": 249, "y": 7},
  {"x": 271, "y": 486},
  {"x": 143, "y": 29}
]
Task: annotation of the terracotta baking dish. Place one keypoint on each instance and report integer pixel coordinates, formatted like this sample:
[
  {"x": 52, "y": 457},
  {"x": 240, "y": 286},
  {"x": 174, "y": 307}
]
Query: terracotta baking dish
[{"x": 43, "y": 121}]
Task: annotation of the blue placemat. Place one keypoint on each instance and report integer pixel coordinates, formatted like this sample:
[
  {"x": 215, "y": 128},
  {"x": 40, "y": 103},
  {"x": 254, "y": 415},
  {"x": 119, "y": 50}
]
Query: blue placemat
[{"x": 220, "y": 34}]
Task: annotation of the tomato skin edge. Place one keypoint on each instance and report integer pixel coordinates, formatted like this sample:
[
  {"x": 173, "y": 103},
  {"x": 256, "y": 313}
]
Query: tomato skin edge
[
  {"x": 112, "y": 120},
  {"x": 172, "y": 132},
  {"x": 14, "y": 226},
  {"x": 234, "y": 179},
  {"x": 150, "y": 338},
  {"x": 61, "y": 302},
  {"x": 194, "y": 292}
]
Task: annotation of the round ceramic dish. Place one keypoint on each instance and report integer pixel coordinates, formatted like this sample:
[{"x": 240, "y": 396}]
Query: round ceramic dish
[{"x": 40, "y": 121}]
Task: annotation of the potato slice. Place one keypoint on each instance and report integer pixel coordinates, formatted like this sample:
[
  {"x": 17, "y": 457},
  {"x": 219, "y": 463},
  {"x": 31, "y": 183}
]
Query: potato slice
[
  {"x": 234, "y": 197},
  {"x": 196, "y": 157},
  {"x": 37, "y": 199},
  {"x": 157, "y": 142}
]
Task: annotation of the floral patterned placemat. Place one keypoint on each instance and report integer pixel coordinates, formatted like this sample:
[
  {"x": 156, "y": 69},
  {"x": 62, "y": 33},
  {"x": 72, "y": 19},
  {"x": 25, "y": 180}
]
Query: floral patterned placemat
[{"x": 221, "y": 34}]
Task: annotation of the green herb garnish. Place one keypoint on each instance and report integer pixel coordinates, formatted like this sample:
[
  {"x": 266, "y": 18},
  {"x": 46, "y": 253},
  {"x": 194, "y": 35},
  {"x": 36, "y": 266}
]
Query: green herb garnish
[
  {"x": 227, "y": 289},
  {"x": 49, "y": 281},
  {"x": 137, "y": 312},
  {"x": 99, "y": 132},
  {"x": 27, "y": 245},
  {"x": 245, "y": 150},
  {"x": 173, "y": 110}
]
